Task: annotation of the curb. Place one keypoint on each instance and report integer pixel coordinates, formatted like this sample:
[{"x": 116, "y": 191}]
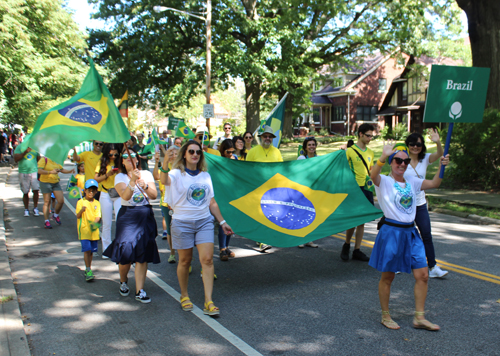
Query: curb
[
  {"x": 480, "y": 219},
  {"x": 13, "y": 339}
]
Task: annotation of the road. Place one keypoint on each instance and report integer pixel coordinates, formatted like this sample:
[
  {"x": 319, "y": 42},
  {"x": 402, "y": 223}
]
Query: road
[{"x": 288, "y": 301}]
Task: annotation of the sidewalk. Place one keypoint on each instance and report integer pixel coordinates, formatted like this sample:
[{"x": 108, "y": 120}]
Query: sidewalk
[{"x": 467, "y": 197}]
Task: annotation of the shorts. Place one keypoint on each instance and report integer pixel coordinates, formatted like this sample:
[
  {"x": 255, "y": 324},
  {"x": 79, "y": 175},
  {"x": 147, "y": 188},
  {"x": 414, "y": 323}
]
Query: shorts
[
  {"x": 188, "y": 233},
  {"x": 49, "y": 187},
  {"x": 28, "y": 181},
  {"x": 89, "y": 245},
  {"x": 368, "y": 195},
  {"x": 165, "y": 212}
]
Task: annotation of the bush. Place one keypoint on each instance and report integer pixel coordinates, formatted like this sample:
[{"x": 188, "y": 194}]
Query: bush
[
  {"x": 399, "y": 132},
  {"x": 323, "y": 132},
  {"x": 475, "y": 153}
]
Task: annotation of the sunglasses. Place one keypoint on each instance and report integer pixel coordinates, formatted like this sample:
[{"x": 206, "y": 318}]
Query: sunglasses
[
  {"x": 132, "y": 155},
  {"x": 399, "y": 161},
  {"x": 114, "y": 154},
  {"x": 99, "y": 143},
  {"x": 417, "y": 144},
  {"x": 227, "y": 128},
  {"x": 192, "y": 152},
  {"x": 369, "y": 136},
  {"x": 248, "y": 137},
  {"x": 229, "y": 152}
]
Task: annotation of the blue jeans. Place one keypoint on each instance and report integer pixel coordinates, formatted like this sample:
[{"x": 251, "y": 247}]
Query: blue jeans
[
  {"x": 223, "y": 239},
  {"x": 423, "y": 222}
]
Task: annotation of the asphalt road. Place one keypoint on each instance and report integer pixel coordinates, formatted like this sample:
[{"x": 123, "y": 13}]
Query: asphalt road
[{"x": 287, "y": 301}]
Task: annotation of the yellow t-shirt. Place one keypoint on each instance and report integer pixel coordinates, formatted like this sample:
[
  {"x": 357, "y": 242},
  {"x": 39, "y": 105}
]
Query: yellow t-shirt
[
  {"x": 50, "y": 165},
  {"x": 259, "y": 154},
  {"x": 80, "y": 181},
  {"x": 110, "y": 181},
  {"x": 84, "y": 223},
  {"x": 356, "y": 164},
  {"x": 90, "y": 159},
  {"x": 212, "y": 151}
]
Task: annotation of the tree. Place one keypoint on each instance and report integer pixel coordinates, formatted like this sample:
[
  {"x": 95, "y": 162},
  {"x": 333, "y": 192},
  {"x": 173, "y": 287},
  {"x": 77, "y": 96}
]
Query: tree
[
  {"x": 40, "y": 58},
  {"x": 484, "y": 30}
]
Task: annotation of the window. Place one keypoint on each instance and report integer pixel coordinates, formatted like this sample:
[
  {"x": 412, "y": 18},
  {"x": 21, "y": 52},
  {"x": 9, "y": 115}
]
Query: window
[
  {"x": 416, "y": 86},
  {"x": 366, "y": 113},
  {"x": 338, "y": 113},
  {"x": 316, "y": 116},
  {"x": 382, "y": 84},
  {"x": 404, "y": 91},
  {"x": 338, "y": 82}
]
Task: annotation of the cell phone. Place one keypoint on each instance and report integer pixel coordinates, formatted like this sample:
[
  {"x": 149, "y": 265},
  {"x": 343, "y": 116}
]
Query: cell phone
[{"x": 115, "y": 169}]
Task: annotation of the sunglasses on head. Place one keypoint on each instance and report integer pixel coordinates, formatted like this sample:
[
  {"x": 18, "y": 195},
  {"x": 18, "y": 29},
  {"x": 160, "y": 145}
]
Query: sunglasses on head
[
  {"x": 417, "y": 144},
  {"x": 99, "y": 143},
  {"x": 399, "y": 161},
  {"x": 132, "y": 155},
  {"x": 114, "y": 154},
  {"x": 192, "y": 152}
]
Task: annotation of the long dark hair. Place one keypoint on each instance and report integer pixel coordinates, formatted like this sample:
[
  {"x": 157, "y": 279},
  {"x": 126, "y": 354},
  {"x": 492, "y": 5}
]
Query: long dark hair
[
  {"x": 226, "y": 144},
  {"x": 413, "y": 138},
  {"x": 243, "y": 152},
  {"x": 306, "y": 141},
  {"x": 105, "y": 160},
  {"x": 122, "y": 167}
]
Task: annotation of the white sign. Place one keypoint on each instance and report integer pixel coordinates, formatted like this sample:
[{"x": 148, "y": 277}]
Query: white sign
[{"x": 208, "y": 111}]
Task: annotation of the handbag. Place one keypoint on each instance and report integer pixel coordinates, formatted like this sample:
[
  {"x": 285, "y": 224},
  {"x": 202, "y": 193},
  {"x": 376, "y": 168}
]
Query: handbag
[{"x": 112, "y": 192}]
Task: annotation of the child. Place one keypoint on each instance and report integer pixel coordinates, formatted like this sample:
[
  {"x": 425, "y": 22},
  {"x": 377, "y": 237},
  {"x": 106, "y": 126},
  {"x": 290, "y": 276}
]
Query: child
[
  {"x": 80, "y": 177},
  {"x": 88, "y": 215}
]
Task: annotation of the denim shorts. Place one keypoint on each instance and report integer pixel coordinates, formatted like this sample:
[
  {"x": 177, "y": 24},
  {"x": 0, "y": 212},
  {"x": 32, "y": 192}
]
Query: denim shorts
[
  {"x": 188, "y": 233},
  {"x": 89, "y": 245}
]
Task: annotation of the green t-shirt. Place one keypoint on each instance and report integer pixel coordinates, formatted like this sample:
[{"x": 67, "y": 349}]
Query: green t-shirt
[{"x": 29, "y": 162}]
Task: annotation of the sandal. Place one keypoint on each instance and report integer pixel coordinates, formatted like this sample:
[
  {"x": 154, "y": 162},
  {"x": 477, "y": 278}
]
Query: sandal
[
  {"x": 213, "y": 310},
  {"x": 424, "y": 323},
  {"x": 230, "y": 253},
  {"x": 186, "y": 304},
  {"x": 389, "y": 323}
]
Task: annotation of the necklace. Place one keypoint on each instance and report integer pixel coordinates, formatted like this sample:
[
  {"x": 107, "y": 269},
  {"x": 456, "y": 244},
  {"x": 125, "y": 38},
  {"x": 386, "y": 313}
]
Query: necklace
[{"x": 404, "y": 191}]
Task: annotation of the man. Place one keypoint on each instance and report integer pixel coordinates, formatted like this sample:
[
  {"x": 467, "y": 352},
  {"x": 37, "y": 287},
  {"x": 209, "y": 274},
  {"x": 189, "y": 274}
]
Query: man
[
  {"x": 178, "y": 142},
  {"x": 227, "y": 135},
  {"x": 27, "y": 164},
  {"x": 360, "y": 159},
  {"x": 168, "y": 140},
  {"x": 90, "y": 160},
  {"x": 200, "y": 132},
  {"x": 265, "y": 152}
]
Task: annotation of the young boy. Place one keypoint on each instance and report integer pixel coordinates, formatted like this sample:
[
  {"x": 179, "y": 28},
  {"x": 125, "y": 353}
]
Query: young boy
[
  {"x": 88, "y": 215},
  {"x": 80, "y": 177}
]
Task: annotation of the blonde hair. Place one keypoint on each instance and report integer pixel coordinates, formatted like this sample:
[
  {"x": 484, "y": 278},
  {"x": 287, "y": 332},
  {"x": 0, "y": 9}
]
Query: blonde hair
[{"x": 180, "y": 161}]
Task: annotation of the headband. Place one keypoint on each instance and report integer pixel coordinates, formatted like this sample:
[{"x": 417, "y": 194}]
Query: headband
[{"x": 399, "y": 147}]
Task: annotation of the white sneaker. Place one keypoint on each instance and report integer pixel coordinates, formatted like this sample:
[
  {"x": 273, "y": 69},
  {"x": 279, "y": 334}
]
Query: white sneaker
[
  {"x": 36, "y": 212},
  {"x": 311, "y": 244},
  {"x": 436, "y": 272},
  {"x": 26, "y": 212}
]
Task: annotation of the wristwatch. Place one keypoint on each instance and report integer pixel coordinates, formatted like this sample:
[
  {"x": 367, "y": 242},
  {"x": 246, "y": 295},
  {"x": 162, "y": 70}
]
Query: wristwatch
[{"x": 146, "y": 187}]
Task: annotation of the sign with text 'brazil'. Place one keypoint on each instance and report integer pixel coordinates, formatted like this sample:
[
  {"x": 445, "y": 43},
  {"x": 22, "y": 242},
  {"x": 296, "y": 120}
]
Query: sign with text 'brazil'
[{"x": 456, "y": 94}]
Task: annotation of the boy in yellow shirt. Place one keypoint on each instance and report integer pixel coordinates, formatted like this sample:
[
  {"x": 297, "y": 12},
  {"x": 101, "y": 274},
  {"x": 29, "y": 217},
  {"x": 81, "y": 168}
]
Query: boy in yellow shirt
[{"x": 88, "y": 217}]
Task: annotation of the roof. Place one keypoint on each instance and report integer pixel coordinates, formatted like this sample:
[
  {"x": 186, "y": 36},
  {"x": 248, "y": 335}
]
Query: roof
[{"x": 320, "y": 100}]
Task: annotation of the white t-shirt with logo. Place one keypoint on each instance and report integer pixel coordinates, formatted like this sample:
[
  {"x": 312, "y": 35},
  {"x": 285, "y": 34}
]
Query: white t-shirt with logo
[
  {"x": 394, "y": 204},
  {"x": 189, "y": 196},
  {"x": 419, "y": 172},
  {"x": 137, "y": 197}
]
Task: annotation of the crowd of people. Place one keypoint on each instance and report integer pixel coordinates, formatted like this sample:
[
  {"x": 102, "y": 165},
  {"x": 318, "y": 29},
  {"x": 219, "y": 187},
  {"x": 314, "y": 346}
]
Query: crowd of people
[{"x": 115, "y": 179}]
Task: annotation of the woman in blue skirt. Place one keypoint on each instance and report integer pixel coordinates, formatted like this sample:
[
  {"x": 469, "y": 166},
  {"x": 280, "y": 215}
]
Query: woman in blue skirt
[
  {"x": 135, "y": 225},
  {"x": 398, "y": 246}
]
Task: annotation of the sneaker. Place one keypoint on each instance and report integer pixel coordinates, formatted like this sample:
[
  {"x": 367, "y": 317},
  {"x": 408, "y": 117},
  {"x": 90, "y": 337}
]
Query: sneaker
[
  {"x": 436, "y": 272},
  {"x": 164, "y": 237},
  {"x": 311, "y": 244},
  {"x": 36, "y": 212},
  {"x": 26, "y": 213},
  {"x": 47, "y": 225},
  {"x": 142, "y": 297},
  {"x": 89, "y": 275},
  {"x": 57, "y": 220},
  {"x": 171, "y": 259},
  {"x": 124, "y": 290},
  {"x": 224, "y": 256},
  {"x": 360, "y": 256},
  {"x": 301, "y": 246},
  {"x": 344, "y": 255},
  {"x": 263, "y": 247}
]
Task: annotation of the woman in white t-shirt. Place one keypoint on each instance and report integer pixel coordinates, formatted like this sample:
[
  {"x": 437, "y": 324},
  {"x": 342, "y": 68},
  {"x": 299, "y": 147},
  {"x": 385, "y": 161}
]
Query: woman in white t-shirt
[
  {"x": 398, "y": 246},
  {"x": 136, "y": 228},
  {"x": 190, "y": 194},
  {"x": 418, "y": 169}
]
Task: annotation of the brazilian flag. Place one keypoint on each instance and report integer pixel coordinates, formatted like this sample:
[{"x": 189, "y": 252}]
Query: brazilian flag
[
  {"x": 275, "y": 121},
  {"x": 156, "y": 138},
  {"x": 89, "y": 115},
  {"x": 74, "y": 193},
  {"x": 183, "y": 130},
  {"x": 300, "y": 151},
  {"x": 289, "y": 203}
]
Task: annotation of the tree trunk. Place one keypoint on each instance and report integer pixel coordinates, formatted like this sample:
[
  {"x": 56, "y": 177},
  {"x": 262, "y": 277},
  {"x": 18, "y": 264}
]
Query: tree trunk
[
  {"x": 288, "y": 120},
  {"x": 252, "y": 96},
  {"x": 484, "y": 32}
]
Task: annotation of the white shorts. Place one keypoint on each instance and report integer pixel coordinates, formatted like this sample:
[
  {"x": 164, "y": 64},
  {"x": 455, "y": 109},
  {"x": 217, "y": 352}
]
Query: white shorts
[{"x": 28, "y": 181}]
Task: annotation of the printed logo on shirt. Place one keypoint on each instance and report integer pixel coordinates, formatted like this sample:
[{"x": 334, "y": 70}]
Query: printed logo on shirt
[
  {"x": 29, "y": 156},
  {"x": 197, "y": 194},
  {"x": 404, "y": 203},
  {"x": 138, "y": 198}
]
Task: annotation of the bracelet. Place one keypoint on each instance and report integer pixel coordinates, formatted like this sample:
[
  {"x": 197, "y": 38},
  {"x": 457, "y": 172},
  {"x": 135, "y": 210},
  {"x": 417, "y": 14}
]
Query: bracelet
[
  {"x": 222, "y": 222},
  {"x": 163, "y": 170},
  {"x": 380, "y": 163},
  {"x": 130, "y": 187}
]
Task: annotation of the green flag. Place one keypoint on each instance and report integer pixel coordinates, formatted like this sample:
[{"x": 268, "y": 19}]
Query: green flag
[
  {"x": 183, "y": 130},
  {"x": 156, "y": 138},
  {"x": 275, "y": 120},
  {"x": 300, "y": 151},
  {"x": 74, "y": 193},
  {"x": 89, "y": 115},
  {"x": 290, "y": 203},
  {"x": 149, "y": 147},
  {"x": 72, "y": 181}
]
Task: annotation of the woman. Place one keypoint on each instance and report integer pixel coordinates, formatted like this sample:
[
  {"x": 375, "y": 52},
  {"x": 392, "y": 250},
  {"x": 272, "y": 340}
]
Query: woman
[
  {"x": 309, "y": 147},
  {"x": 248, "y": 137},
  {"x": 49, "y": 183},
  {"x": 239, "y": 148},
  {"x": 139, "y": 147},
  {"x": 418, "y": 168},
  {"x": 165, "y": 210},
  {"x": 135, "y": 225},
  {"x": 398, "y": 246},
  {"x": 226, "y": 149},
  {"x": 105, "y": 172},
  {"x": 191, "y": 196}
]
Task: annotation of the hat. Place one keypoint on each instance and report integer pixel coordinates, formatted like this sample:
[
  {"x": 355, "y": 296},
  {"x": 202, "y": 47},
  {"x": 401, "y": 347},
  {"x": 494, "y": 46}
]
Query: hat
[
  {"x": 91, "y": 183},
  {"x": 269, "y": 130},
  {"x": 201, "y": 130},
  {"x": 398, "y": 147}
]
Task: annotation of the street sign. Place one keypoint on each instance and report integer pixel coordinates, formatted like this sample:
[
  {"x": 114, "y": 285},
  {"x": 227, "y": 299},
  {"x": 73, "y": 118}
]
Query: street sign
[
  {"x": 208, "y": 111},
  {"x": 456, "y": 94},
  {"x": 172, "y": 123}
]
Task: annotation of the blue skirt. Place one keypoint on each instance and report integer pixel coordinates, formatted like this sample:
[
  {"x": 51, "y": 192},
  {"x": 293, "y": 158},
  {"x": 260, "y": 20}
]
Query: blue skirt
[
  {"x": 135, "y": 239},
  {"x": 398, "y": 249}
]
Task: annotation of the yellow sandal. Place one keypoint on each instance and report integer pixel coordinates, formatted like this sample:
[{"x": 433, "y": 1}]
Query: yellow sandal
[
  {"x": 389, "y": 323},
  {"x": 213, "y": 310},
  {"x": 186, "y": 304},
  {"x": 424, "y": 323}
]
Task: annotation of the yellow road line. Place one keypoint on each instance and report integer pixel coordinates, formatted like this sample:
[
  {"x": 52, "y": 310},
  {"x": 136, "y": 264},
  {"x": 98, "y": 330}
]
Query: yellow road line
[{"x": 452, "y": 267}]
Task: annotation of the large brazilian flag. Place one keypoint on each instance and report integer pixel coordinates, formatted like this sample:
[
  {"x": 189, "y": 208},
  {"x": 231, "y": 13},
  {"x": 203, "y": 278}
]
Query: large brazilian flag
[
  {"x": 289, "y": 203},
  {"x": 89, "y": 115}
]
